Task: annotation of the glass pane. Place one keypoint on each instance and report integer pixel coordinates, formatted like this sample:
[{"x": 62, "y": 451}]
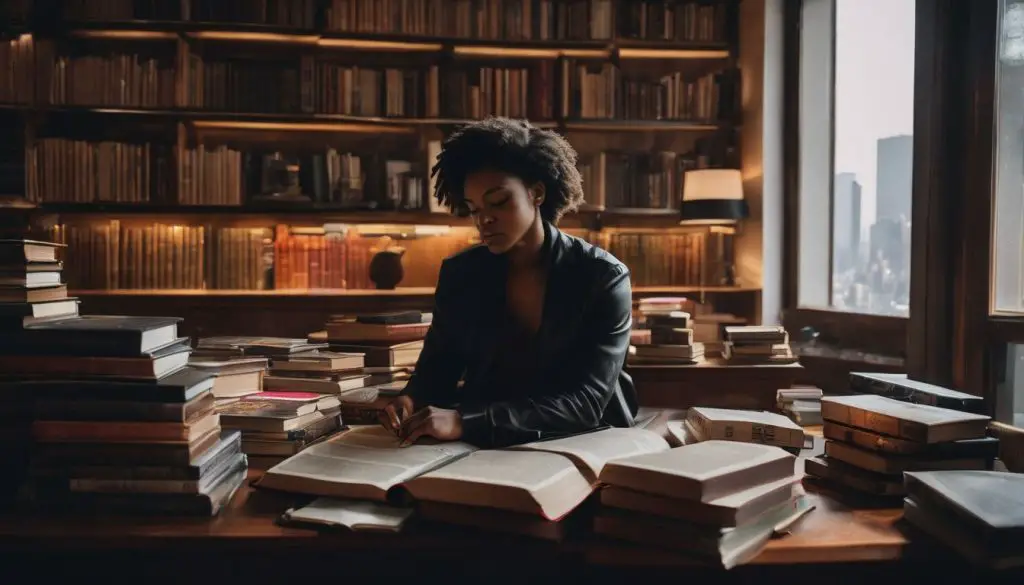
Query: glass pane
[
  {"x": 1009, "y": 131},
  {"x": 1010, "y": 391},
  {"x": 872, "y": 155}
]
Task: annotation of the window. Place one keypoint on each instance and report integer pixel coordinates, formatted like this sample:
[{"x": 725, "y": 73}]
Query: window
[
  {"x": 1008, "y": 204},
  {"x": 856, "y": 155},
  {"x": 1007, "y": 294}
]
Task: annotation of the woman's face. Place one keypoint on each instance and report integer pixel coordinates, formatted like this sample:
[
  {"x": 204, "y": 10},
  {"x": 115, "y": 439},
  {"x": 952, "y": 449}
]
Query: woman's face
[{"x": 502, "y": 207}]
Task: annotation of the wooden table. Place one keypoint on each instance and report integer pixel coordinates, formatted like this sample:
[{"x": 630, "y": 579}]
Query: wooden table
[
  {"x": 833, "y": 544},
  {"x": 712, "y": 383}
]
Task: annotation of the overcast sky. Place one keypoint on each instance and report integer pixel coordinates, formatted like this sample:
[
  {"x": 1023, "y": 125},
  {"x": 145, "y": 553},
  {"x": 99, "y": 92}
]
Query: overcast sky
[{"x": 874, "y": 85}]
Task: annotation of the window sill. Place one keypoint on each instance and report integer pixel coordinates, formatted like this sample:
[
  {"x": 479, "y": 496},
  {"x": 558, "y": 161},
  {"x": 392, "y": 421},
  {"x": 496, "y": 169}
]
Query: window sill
[
  {"x": 1006, "y": 329},
  {"x": 873, "y": 335}
]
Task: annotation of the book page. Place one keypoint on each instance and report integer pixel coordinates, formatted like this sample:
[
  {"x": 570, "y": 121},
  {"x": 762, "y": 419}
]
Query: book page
[
  {"x": 524, "y": 470},
  {"x": 369, "y": 455},
  {"x": 352, "y": 514},
  {"x": 591, "y": 451}
]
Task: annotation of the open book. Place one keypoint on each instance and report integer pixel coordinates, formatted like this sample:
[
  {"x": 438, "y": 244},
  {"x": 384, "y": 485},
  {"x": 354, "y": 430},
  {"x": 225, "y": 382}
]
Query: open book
[
  {"x": 590, "y": 451},
  {"x": 546, "y": 478},
  {"x": 362, "y": 463}
]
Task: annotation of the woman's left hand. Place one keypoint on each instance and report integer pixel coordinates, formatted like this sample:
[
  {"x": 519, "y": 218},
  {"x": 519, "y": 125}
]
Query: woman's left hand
[{"x": 441, "y": 423}]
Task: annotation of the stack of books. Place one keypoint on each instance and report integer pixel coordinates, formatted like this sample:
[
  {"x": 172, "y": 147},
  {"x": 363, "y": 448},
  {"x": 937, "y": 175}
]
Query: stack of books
[
  {"x": 386, "y": 340},
  {"x": 390, "y": 344},
  {"x": 31, "y": 292},
  {"x": 320, "y": 371},
  {"x": 756, "y": 345},
  {"x": 671, "y": 334},
  {"x": 977, "y": 513},
  {"x": 870, "y": 441},
  {"x": 802, "y": 405},
  {"x": 277, "y": 425},
  {"x": 744, "y": 426},
  {"x": 235, "y": 347},
  {"x": 720, "y": 500},
  {"x": 121, "y": 423},
  {"x": 292, "y": 407},
  {"x": 234, "y": 378}
]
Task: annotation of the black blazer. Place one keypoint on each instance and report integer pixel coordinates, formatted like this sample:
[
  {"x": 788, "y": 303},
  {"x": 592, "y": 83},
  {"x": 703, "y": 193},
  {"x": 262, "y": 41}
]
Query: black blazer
[{"x": 582, "y": 343}]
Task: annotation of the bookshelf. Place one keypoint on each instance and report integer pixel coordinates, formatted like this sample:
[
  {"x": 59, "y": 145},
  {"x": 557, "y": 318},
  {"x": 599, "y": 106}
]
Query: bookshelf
[{"x": 221, "y": 149}]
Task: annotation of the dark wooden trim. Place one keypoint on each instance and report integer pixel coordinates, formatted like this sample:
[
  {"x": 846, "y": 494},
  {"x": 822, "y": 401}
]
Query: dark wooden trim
[
  {"x": 937, "y": 183},
  {"x": 791, "y": 23},
  {"x": 1004, "y": 329},
  {"x": 950, "y": 337},
  {"x": 972, "y": 277},
  {"x": 879, "y": 334}
]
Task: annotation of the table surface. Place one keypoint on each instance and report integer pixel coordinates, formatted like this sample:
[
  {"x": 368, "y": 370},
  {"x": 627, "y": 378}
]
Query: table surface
[{"x": 832, "y": 532}]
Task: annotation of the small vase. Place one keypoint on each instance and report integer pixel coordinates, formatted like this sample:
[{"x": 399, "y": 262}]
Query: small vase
[{"x": 386, "y": 268}]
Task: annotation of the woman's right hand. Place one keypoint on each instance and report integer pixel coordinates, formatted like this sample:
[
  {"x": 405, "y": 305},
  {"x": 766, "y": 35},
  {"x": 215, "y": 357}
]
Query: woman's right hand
[{"x": 397, "y": 412}]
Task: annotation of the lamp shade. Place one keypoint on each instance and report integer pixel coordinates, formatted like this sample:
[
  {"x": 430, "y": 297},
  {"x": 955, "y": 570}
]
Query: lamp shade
[{"x": 713, "y": 196}]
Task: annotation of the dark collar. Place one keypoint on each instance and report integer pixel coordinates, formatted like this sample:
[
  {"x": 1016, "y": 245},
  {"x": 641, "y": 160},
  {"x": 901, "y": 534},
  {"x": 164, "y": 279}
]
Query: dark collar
[{"x": 553, "y": 246}]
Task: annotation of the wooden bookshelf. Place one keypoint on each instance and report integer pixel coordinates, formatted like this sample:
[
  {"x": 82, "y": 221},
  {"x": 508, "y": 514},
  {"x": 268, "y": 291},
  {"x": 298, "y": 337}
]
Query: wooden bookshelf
[
  {"x": 142, "y": 120},
  {"x": 297, "y": 312}
]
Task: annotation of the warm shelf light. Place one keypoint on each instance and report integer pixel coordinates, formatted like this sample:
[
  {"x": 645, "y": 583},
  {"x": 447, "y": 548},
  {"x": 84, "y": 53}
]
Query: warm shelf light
[
  {"x": 255, "y": 37},
  {"x": 378, "y": 45},
  {"x": 653, "y": 125},
  {"x": 302, "y": 127},
  {"x": 135, "y": 35},
  {"x": 692, "y": 54},
  {"x": 527, "y": 52}
]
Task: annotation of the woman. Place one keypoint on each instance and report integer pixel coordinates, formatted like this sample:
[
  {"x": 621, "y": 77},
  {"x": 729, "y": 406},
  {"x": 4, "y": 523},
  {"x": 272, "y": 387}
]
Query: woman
[{"x": 534, "y": 322}]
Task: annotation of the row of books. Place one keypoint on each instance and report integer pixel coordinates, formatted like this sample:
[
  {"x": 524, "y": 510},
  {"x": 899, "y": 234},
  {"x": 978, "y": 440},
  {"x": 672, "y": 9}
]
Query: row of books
[
  {"x": 511, "y": 20},
  {"x": 285, "y": 84},
  {"x": 60, "y": 170},
  {"x": 115, "y": 254}
]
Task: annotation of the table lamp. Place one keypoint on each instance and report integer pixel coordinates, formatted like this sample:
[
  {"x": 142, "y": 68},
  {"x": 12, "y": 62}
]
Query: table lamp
[{"x": 715, "y": 197}]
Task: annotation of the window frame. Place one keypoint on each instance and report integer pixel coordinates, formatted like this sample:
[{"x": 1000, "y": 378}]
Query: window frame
[
  {"x": 953, "y": 336},
  {"x": 882, "y": 334},
  {"x": 985, "y": 338}
]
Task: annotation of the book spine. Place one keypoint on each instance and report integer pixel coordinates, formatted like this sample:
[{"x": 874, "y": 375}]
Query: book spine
[
  {"x": 896, "y": 391},
  {"x": 873, "y": 421}
]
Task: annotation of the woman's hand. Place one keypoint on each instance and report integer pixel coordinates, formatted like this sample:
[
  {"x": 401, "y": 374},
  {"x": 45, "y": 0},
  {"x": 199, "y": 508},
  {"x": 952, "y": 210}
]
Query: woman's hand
[
  {"x": 396, "y": 413},
  {"x": 440, "y": 423}
]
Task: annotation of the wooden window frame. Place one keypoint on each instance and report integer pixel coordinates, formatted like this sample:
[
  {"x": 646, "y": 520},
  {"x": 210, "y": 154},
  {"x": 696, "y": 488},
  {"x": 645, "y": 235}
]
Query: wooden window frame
[
  {"x": 977, "y": 346},
  {"x": 952, "y": 336},
  {"x": 841, "y": 330}
]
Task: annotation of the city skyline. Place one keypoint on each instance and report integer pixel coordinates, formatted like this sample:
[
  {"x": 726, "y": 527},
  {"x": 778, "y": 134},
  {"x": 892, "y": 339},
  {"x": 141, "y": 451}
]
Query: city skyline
[
  {"x": 874, "y": 88},
  {"x": 871, "y": 271}
]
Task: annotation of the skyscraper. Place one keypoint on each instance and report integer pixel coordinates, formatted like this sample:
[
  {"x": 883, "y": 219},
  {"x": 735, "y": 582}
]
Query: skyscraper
[
  {"x": 845, "y": 221},
  {"x": 893, "y": 184}
]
